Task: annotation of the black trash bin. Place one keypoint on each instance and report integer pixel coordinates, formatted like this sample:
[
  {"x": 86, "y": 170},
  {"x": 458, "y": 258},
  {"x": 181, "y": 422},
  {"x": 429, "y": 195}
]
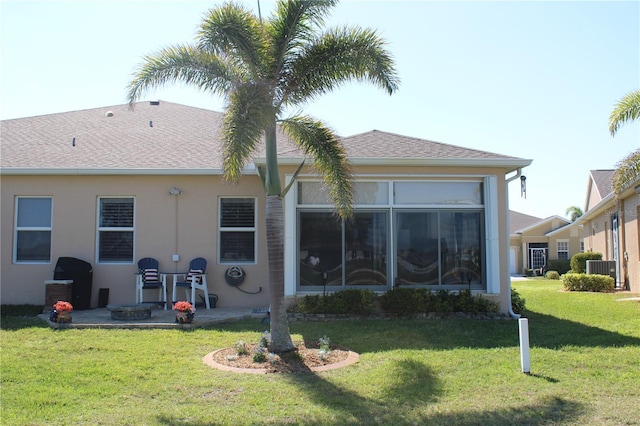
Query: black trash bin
[{"x": 81, "y": 272}]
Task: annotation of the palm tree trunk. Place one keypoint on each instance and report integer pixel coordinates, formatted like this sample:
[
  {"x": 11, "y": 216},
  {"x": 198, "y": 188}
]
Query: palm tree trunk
[{"x": 280, "y": 335}]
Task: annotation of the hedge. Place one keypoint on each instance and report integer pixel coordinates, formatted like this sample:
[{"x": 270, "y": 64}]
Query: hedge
[
  {"x": 579, "y": 261},
  {"x": 588, "y": 282}
]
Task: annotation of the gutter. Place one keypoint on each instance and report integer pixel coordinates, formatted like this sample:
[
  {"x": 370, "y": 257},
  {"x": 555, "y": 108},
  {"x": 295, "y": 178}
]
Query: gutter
[{"x": 509, "y": 180}]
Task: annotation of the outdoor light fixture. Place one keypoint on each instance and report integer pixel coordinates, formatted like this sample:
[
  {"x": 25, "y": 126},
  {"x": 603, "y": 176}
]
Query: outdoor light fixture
[{"x": 175, "y": 191}]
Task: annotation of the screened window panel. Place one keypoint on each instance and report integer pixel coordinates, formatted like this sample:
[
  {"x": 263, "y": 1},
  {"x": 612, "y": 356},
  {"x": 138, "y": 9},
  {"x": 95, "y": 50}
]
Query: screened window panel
[
  {"x": 34, "y": 212},
  {"x": 116, "y": 213},
  {"x": 237, "y": 213},
  {"x": 116, "y": 246},
  {"x": 371, "y": 193},
  {"x": 365, "y": 193},
  {"x": 320, "y": 249},
  {"x": 313, "y": 193},
  {"x": 237, "y": 246},
  {"x": 417, "y": 260},
  {"x": 366, "y": 249},
  {"x": 435, "y": 193},
  {"x": 33, "y": 246},
  {"x": 460, "y": 247}
]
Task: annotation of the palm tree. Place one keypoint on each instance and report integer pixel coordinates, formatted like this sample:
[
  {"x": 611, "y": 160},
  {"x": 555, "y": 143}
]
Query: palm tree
[
  {"x": 574, "y": 213},
  {"x": 262, "y": 69},
  {"x": 627, "y": 109},
  {"x": 628, "y": 170}
]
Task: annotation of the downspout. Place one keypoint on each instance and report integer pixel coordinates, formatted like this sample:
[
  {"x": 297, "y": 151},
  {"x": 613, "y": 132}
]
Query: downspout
[{"x": 517, "y": 175}]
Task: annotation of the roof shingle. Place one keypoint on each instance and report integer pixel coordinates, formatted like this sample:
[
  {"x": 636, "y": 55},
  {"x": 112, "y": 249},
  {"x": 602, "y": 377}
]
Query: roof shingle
[{"x": 170, "y": 137}]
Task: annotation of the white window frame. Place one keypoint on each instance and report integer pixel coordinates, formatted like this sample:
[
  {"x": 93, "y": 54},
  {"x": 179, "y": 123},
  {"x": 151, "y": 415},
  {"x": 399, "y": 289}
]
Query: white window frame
[
  {"x": 253, "y": 230},
  {"x": 100, "y": 229},
  {"x": 558, "y": 250},
  {"x": 18, "y": 229}
]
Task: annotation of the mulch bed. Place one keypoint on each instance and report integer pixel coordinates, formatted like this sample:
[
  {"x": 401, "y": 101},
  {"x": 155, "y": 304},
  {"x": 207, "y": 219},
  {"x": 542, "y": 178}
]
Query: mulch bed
[{"x": 305, "y": 358}]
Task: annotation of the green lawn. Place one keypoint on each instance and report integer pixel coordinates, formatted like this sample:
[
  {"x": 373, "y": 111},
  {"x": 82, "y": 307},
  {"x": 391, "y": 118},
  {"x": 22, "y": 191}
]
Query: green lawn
[{"x": 585, "y": 369}]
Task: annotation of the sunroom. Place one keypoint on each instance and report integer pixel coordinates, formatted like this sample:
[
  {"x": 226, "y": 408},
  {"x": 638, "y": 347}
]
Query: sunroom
[{"x": 432, "y": 232}]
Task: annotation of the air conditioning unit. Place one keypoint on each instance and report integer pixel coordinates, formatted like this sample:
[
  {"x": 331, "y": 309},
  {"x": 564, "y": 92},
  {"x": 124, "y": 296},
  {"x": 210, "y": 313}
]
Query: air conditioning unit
[{"x": 602, "y": 267}]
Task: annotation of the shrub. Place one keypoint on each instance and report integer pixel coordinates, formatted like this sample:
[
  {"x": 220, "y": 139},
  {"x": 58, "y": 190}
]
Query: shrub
[
  {"x": 579, "y": 261},
  {"x": 588, "y": 282},
  {"x": 552, "y": 275},
  {"x": 561, "y": 265},
  {"x": 356, "y": 302},
  {"x": 517, "y": 302},
  {"x": 409, "y": 302}
]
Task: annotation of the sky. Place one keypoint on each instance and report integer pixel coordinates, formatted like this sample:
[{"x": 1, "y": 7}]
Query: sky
[{"x": 534, "y": 80}]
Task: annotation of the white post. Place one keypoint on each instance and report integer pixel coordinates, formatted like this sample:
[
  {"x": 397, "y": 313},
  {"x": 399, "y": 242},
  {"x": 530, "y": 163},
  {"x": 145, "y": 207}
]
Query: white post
[{"x": 525, "y": 361}]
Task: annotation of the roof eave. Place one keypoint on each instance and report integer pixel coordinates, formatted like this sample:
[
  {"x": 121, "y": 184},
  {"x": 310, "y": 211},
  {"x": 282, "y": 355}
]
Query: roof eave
[
  {"x": 110, "y": 171},
  {"x": 510, "y": 164}
]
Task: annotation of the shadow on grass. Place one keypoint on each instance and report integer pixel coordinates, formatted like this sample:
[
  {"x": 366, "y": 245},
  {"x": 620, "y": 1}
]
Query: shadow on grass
[
  {"x": 551, "y": 332},
  {"x": 545, "y": 331},
  {"x": 406, "y": 401}
]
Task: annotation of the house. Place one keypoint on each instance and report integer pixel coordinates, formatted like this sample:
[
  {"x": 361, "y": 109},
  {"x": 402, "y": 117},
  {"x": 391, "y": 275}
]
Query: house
[
  {"x": 611, "y": 226},
  {"x": 113, "y": 185},
  {"x": 533, "y": 241}
]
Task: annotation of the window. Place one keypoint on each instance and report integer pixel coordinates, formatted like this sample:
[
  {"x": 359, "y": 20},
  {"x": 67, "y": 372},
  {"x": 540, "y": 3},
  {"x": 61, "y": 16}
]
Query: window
[
  {"x": 563, "y": 249},
  {"x": 336, "y": 253},
  {"x": 237, "y": 230},
  {"x": 410, "y": 233},
  {"x": 439, "y": 248},
  {"x": 115, "y": 230},
  {"x": 33, "y": 229}
]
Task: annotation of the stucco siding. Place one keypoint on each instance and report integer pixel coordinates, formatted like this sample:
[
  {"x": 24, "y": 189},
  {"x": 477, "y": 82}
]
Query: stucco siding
[{"x": 164, "y": 225}]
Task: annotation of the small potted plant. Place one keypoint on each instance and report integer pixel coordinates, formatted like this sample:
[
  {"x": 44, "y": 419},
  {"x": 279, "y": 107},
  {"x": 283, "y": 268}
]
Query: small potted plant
[
  {"x": 61, "y": 312},
  {"x": 185, "y": 313}
]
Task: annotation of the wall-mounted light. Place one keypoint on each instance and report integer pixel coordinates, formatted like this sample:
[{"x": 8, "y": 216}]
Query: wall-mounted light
[{"x": 174, "y": 191}]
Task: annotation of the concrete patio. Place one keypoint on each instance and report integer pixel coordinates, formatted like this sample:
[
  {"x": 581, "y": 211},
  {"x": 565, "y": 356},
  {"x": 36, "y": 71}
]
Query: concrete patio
[{"x": 160, "y": 318}]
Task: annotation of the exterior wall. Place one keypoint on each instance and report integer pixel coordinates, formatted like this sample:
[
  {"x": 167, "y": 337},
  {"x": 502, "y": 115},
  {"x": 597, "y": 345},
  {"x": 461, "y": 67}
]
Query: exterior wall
[
  {"x": 497, "y": 264},
  {"x": 159, "y": 233},
  {"x": 598, "y": 238},
  {"x": 630, "y": 240},
  {"x": 188, "y": 225}
]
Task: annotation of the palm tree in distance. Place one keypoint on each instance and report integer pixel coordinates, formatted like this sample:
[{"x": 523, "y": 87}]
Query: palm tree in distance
[
  {"x": 262, "y": 69},
  {"x": 628, "y": 169},
  {"x": 574, "y": 213}
]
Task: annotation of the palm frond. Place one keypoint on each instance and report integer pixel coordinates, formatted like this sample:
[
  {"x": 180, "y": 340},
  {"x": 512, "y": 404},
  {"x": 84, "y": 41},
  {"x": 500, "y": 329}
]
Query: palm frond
[
  {"x": 235, "y": 34},
  {"x": 344, "y": 54},
  {"x": 329, "y": 159},
  {"x": 184, "y": 64},
  {"x": 627, "y": 109},
  {"x": 293, "y": 25},
  {"x": 627, "y": 172},
  {"x": 247, "y": 114},
  {"x": 293, "y": 179}
]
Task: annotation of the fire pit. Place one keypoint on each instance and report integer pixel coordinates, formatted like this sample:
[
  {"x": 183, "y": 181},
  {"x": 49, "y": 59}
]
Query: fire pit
[{"x": 138, "y": 311}]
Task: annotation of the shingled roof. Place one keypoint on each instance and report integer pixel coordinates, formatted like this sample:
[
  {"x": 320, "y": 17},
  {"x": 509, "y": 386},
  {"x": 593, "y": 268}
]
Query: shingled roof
[
  {"x": 163, "y": 137},
  {"x": 519, "y": 221},
  {"x": 603, "y": 181}
]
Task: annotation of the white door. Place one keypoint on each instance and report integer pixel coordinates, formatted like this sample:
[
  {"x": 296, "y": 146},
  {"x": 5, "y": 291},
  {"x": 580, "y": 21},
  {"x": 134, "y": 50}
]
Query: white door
[{"x": 513, "y": 260}]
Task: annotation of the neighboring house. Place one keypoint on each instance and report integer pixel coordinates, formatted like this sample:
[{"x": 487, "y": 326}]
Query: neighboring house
[
  {"x": 112, "y": 185},
  {"x": 533, "y": 241},
  {"x": 611, "y": 226}
]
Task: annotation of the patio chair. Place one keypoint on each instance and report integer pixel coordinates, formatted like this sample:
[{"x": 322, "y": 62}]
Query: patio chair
[
  {"x": 195, "y": 279},
  {"x": 149, "y": 278}
]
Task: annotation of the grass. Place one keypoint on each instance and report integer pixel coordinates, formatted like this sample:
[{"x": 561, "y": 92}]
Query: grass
[{"x": 585, "y": 369}]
